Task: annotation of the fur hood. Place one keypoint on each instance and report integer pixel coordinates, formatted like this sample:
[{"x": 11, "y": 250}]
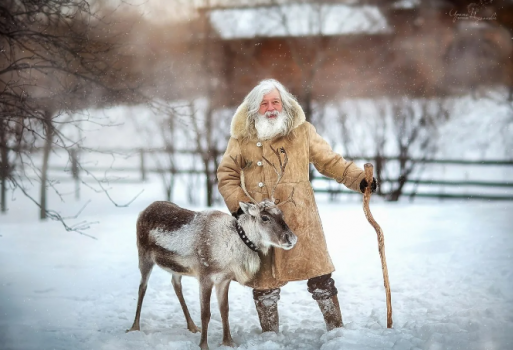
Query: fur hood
[{"x": 238, "y": 126}]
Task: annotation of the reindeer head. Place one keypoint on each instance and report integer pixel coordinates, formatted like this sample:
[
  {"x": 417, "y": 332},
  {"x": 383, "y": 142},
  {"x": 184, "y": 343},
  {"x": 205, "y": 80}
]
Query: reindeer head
[{"x": 268, "y": 221}]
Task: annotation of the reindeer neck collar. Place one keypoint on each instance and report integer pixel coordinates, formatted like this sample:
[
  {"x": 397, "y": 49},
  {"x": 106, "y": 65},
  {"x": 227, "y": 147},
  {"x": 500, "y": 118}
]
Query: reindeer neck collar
[{"x": 244, "y": 237}]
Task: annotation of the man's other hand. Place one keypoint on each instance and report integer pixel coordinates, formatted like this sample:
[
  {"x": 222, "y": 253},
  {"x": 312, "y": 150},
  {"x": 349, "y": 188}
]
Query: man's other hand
[
  {"x": 238, "y": 213},
  {"x": 364, "y": 184}
]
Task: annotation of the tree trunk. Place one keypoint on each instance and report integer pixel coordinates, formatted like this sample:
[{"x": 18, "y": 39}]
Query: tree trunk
[
  {"x": 210, "y": 191},
  {"x": 307, "y": 104},
  {"x": 44, "y": 169},
  {"x": 379, "y": 166},
  {"x": 3, "y": 189},
  {"x": 4, "y": 166},
  {"x": 396, "y": 193},
  {"x": 404, "y": 172},
  {"x": 75, "y": 172},
  {"x": 169, "y": 186},
  {"x": 209, "y": 184}
]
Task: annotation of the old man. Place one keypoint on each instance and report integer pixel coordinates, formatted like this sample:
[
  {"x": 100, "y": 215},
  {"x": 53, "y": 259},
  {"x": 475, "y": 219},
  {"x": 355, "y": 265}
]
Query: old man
[{"x": 271, "y": 118}]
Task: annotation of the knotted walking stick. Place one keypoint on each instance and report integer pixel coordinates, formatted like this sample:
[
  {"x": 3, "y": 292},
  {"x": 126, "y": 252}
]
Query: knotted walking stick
[{"x": 381, "y": 239}]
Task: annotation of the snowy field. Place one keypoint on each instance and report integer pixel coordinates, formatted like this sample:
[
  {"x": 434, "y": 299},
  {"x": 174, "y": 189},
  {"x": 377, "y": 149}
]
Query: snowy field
[{"x": 450, "y": 266}]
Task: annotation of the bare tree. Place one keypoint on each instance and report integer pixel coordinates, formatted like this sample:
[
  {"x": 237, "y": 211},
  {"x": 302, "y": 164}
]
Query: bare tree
[
  {"x": 207, "y": 121},
  {"x": 415, "y": 127},
  {"x": 211, "y": 131},
  {"x": 164, "y": 130},
  {"x": 168, "y": 166},
  {"x": 57, "y": 56},
  {"x": 399, "y": 134}
]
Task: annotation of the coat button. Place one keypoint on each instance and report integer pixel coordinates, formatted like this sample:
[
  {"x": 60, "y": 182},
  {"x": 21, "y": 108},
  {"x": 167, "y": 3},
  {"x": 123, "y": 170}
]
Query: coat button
[
  {"x": 260, "y": 184},
  {"x": 259, "y": 144},
  {"x": 259, "y": 163}
]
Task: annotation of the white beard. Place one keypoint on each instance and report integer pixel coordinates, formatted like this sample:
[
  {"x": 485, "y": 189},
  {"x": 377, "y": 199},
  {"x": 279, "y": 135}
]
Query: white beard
[{"x": 268, "y": 128}]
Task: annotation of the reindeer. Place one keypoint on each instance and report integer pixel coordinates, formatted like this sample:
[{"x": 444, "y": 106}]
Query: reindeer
[{"x": 212, "y": 246}]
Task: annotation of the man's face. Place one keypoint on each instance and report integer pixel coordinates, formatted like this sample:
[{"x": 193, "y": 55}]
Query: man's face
[{"x": 271, "y": 102}]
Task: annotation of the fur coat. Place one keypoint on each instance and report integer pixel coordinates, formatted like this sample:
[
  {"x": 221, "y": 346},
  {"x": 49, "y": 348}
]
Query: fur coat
[{"x": 310, "y": 257}]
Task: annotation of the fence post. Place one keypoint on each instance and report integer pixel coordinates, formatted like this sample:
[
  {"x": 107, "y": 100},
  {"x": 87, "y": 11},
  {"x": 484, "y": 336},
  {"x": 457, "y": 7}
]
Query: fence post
[
  {"x": 143, "y": 170},
  {"x": 75, "y": 172}
]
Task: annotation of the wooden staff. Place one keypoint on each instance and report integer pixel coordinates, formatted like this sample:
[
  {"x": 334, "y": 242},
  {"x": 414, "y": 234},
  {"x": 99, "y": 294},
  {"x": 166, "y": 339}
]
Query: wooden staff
[{"x": 381, "y": 239}]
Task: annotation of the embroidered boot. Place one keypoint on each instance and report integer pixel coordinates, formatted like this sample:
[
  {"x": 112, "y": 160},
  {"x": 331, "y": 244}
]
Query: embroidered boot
[
  {"x": 266, "y": 302},
  {"x": 330, "y": 309},
  {"x": 325, "y": 293}
]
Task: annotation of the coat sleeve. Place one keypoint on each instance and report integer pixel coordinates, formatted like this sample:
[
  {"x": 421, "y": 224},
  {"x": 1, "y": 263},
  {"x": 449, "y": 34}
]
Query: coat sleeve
[
  {"x": 228, "y": 176},
  {"x": 331, "y": 164}
]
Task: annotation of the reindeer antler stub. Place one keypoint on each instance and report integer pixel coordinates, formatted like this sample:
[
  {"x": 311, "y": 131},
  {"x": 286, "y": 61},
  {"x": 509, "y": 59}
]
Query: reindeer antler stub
[{"x": 242, "y": 178}]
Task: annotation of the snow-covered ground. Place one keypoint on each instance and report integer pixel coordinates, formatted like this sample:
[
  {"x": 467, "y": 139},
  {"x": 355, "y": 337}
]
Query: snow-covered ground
[
  {"x": 450, "y": 263},
  {"x": 450, "y": 266}
]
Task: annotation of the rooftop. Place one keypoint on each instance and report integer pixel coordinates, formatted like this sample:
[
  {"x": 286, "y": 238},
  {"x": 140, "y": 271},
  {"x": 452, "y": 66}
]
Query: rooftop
[{"x": 297, "y": 20}]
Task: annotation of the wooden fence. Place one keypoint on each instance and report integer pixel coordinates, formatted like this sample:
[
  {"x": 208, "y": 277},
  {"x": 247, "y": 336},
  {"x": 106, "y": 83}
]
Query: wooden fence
[
  {"x": 479, "y": 189},
  {"x": 140, "y": 166},
  {"x": 459, "y": 188}
]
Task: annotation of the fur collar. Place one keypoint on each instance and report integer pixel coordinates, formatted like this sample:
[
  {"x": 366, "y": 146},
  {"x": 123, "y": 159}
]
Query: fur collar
[{"x": 238, "y": 126}]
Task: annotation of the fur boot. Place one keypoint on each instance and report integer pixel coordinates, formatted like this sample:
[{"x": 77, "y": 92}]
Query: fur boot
[
  {"x": 324, "y": 292},
  {"x": 330, "y": 309},
  {"x": 266, "y": 303}
]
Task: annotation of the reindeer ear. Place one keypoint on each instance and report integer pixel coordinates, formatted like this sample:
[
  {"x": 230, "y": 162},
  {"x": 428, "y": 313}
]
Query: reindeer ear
[{"x": 249, "y": 208}]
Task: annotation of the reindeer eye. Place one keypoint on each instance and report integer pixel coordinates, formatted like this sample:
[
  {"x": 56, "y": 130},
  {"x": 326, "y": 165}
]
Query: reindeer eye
[{"x": 265, "y": 218}]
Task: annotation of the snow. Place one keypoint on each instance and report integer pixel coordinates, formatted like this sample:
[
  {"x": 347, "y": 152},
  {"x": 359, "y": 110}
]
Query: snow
[
  {"x": 450, "y": 266},
  {"x": 450, "y": 263}
]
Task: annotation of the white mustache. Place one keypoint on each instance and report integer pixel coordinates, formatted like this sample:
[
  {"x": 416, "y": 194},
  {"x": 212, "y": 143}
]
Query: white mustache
[{"x": 271, "y": 113}]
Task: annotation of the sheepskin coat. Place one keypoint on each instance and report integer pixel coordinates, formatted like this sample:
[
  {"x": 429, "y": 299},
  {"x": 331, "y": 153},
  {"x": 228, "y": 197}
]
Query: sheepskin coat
[{"x": 310, "y": 257}]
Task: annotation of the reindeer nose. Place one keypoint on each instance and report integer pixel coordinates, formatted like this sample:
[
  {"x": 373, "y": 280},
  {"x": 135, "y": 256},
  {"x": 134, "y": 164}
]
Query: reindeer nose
[{"x": 292, "y": 240}]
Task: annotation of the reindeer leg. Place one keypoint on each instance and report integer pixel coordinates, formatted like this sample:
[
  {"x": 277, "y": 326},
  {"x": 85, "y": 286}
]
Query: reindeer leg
[
  {"x": 205, "y": 293},
  {"x": 222, "y": 299},
  {"x": 177, "y": 285},
  {"x": 145, "y": 266}
]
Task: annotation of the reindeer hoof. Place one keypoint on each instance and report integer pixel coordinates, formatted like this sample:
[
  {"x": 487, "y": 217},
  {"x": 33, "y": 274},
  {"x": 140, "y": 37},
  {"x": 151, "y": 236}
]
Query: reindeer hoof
[
  {"x": 229, "y": 343},
  {"x": 194, "y": 329}
]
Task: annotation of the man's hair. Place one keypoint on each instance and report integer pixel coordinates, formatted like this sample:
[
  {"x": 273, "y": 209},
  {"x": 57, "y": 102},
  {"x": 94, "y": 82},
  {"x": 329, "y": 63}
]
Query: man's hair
[{"x": 254, "y": 99}]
